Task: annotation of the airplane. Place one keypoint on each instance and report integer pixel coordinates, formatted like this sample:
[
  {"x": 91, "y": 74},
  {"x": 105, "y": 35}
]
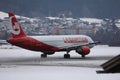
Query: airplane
[{"x": 48, "y": 45}]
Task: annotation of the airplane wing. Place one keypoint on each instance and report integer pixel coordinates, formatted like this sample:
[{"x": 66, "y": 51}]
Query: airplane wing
[
  {"x": 94, "y": 43},
  {"x": 74, "y": 47}
]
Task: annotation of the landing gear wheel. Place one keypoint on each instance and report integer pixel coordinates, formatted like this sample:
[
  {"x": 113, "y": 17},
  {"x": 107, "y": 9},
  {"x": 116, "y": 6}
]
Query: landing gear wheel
[
  {"x": 43, "y": 55},
  {"x": 83, "y": 56},
  {"x": 67, "y": 56}
]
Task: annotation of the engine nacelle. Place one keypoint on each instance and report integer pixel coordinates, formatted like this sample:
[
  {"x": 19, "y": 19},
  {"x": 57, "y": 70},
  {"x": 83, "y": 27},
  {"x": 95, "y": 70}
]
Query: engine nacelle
[{"x": 84, "y": 50}]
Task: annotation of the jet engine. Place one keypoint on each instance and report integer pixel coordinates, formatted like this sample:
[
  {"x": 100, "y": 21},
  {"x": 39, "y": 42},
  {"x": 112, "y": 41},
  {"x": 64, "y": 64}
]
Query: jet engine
[{"x": 84, "y": 50}]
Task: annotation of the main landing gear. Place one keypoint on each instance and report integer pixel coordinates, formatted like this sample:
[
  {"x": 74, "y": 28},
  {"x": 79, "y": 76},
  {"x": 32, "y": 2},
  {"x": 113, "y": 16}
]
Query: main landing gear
[
  {"x": 43, "y": 55},
  {"x": 67, "y": 55}
]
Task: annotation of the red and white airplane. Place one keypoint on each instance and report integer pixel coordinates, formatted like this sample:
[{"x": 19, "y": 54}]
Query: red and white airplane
[{"x": 49, "y": 44}]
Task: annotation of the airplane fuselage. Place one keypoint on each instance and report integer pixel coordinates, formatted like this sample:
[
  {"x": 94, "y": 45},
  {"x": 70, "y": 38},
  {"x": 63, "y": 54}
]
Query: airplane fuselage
[{"x": 50, "y": 43}]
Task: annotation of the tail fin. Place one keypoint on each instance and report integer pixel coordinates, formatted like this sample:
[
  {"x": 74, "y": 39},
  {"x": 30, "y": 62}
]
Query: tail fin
[{"x": 17, "y": 30}]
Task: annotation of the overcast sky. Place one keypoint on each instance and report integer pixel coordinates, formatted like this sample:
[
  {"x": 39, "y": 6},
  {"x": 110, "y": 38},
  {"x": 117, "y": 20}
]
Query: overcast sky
[{"x": 75, "y": 8}]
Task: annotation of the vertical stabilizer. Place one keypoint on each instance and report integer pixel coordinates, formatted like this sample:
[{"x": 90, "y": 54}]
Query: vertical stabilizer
[{"x": 17, "y": 30}]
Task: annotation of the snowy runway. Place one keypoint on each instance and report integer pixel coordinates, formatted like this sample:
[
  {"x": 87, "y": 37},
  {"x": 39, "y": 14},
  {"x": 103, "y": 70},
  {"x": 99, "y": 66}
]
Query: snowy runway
[
  {"x": 90, "y": 62},
  {"x": 98, "y": 55},
  {"x": 22, "y": 64}
]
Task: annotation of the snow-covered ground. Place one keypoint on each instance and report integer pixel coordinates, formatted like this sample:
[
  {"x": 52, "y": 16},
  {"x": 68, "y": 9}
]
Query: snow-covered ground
[
  {"x": 21, "y": 64},
  {"x": 53, "y": 73}
]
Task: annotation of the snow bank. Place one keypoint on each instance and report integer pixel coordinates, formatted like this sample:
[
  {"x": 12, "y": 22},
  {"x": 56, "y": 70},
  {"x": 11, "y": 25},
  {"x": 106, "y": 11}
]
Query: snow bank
[{"x": 53, "y": 73}]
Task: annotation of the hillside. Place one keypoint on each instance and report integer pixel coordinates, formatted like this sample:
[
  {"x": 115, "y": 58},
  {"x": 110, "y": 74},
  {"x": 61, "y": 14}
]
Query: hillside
[{"x": 104, "y": 30}]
